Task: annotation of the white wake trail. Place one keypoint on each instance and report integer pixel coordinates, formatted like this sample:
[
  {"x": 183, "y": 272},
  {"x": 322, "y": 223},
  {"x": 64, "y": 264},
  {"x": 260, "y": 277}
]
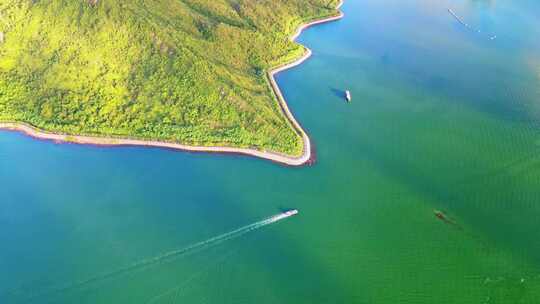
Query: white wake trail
[{"x": 170, "y": 254}]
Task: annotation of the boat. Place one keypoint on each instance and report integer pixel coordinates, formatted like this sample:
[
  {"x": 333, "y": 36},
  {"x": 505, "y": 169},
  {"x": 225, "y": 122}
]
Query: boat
[
  {"x": 440, "y": 215},
  {"x": 291, "y": 212},
  {"x": 348, "y": 96}
]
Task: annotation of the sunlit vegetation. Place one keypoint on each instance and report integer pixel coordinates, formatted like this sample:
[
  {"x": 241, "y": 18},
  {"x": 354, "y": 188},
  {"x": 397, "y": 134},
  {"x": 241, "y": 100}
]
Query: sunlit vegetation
[{"x": 188, "y": 71}]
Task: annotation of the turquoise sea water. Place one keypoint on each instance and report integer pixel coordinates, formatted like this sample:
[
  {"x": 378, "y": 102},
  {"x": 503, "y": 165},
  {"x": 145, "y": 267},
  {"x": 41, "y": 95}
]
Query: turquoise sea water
[{"x": 442, "y": 118}]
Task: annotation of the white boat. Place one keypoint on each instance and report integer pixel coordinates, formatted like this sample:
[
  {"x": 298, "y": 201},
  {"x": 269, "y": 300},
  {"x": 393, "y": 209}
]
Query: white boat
[
  {"x": 348, "y": 95},
  {"x": 291, "y": 212}
]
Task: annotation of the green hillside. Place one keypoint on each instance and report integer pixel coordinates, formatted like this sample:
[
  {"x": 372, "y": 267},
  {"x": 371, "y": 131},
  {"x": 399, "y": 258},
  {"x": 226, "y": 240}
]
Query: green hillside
[{"x": 189, "y": 71}]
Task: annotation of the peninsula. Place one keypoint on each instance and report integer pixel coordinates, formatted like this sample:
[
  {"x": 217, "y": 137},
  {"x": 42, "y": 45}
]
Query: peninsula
[{"x": 195, "y": 75}]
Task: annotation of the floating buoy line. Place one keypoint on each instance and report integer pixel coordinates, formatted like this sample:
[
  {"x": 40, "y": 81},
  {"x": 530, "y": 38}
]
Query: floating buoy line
[{"x": 465, "y": 24}]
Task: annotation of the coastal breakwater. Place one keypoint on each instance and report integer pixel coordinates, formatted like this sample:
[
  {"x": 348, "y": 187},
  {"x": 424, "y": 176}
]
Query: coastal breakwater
[{"x": 306, "y": 157}]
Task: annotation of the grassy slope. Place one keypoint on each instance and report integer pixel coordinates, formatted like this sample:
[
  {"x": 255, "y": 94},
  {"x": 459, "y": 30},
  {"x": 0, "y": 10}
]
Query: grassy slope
[{"x": 189, "y": 71}]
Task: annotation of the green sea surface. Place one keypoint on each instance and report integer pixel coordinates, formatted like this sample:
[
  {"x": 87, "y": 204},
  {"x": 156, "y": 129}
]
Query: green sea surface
[{"x": 444, "y": 118}]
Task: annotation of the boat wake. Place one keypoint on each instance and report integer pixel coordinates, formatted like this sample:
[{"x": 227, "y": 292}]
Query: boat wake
[
  {"x": 171, "y": 295},
  {"x": 164, "y": 257}
]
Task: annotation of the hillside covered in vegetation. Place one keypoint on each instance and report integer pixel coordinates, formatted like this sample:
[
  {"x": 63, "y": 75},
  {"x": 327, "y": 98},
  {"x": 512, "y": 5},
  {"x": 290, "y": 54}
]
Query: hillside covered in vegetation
[{"x": 187, "y": 71}]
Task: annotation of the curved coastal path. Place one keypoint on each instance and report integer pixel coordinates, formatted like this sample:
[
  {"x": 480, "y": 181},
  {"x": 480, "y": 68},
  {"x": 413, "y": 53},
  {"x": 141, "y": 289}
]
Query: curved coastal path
[{"x": 305, "y": 158}]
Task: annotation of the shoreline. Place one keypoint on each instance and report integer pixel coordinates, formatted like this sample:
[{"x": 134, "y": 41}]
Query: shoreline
[{"x": 307, "y": 156}]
